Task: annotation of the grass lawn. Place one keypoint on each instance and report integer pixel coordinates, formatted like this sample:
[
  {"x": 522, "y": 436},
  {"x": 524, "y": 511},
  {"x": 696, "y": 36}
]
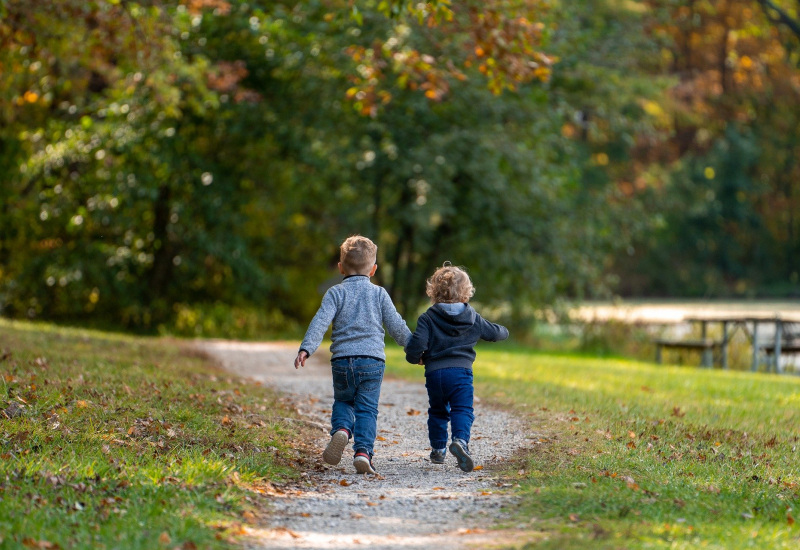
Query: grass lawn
[
  {"x": 628, "y": 454},
  {"x": 111, "y": 441}
]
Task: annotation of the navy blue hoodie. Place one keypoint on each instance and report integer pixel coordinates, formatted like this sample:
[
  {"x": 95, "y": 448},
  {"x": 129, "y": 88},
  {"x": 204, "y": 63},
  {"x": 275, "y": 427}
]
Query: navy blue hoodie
[{"x": 444, "y": 340}]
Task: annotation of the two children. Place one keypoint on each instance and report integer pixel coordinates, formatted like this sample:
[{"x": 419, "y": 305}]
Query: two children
[{"x": 443, "y": 341}]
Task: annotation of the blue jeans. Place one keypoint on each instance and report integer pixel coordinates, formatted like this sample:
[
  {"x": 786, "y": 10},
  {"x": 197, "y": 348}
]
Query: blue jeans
[
  {"x": 356, "y": 391},
  {"x": 450, "y": 398}
]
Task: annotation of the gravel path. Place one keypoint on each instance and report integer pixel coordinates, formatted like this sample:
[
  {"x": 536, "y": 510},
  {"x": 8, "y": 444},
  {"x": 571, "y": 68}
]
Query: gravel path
[{"x": 411, "y": 503}]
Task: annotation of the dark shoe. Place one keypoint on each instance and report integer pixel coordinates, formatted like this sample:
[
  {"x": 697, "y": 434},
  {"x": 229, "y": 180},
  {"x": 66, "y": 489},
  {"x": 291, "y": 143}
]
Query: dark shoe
[
  {"x": 460, "y": 449},
  {"x": 438, "y": 456},
  {"x": 363, "y": 463},
  {"x": 333, "y": 452}
]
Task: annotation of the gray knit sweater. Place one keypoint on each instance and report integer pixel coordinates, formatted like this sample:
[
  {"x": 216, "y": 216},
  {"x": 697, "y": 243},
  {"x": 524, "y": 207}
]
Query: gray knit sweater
[{"x": 358, "y": 310}]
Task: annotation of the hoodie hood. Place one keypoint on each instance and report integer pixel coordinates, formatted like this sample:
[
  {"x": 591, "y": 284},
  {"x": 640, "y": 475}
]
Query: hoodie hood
[{"x": 450, "y": 324}]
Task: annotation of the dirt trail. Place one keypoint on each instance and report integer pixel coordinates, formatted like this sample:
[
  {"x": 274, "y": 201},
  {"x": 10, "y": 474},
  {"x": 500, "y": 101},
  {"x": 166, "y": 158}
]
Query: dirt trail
[{"x": 412, "y": 503}]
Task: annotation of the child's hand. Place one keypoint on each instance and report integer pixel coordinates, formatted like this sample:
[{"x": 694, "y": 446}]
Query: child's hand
[{"x": 300, "y": 360}]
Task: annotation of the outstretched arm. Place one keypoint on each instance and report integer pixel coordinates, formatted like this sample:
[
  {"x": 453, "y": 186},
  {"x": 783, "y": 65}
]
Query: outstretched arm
[
  {"x": 418, "y": 344},
  {"x": 492, "y": 332},
  {"x": 393, "y": 321},
  {"x": 318, "y": 326}
]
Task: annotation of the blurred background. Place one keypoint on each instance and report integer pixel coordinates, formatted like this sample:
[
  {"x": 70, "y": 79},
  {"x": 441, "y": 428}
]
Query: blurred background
[{"x": 190, "y": 167}]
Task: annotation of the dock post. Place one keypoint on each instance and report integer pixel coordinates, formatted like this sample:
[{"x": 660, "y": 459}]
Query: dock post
[
  {"x": 778, "y": 338},
  {"x": 754, "y": 368},
  {"x": 707, "y": 361},
  {"x": 724, "y": 350}
]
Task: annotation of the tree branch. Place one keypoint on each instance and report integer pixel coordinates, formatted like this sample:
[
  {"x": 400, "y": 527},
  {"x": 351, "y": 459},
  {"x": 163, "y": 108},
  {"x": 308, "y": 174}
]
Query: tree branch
[{"x": 777, "y": 15}]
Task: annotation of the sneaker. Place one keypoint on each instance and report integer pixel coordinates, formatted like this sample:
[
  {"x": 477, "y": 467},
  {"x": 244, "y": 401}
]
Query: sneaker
[
  {"x": 363, "y": 463},
  {"x": 438, "y": 456},
  {"x": 333, "y": 452},
  {"x": 460, "y": 449}
]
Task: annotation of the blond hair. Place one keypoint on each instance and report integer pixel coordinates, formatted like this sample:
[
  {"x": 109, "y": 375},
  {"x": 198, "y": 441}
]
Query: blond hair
[
  {"x": 449, "y": 284},
  {"x": 357, "y": 255}
]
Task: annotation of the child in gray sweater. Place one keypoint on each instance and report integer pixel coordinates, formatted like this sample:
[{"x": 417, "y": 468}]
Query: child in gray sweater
[{"x": 358, "y": 311}]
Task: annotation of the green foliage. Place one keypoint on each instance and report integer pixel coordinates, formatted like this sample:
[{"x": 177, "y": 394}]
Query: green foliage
[
  {"x": 102, "y": 434},
  {"x": 173, "y": 155}
]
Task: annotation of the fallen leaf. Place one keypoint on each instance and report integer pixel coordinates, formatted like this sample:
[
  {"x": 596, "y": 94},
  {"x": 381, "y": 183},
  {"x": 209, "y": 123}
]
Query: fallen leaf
[
  {"x": 412, "y": 412},
  {"x": 380, "y": 438},
  {"x": 789, "y": 519},
  {"x": 164, "y": 538},
  {"x": 632, "y": 435},
  {"x": 345, "y": 483},
  {"x": 468, "y": 531},
  {"x": 478, "y": 468},
  {"x": 574, "y": 517},
  {"x": 285, "y": 530},
  {"x": 438, "y": 488}
]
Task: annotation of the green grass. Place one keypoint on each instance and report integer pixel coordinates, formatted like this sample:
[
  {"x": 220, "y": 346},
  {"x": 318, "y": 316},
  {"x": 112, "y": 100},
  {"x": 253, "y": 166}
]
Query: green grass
[
  {"x": 110, "y": 441},
  {"x": 628, "y": 454}
]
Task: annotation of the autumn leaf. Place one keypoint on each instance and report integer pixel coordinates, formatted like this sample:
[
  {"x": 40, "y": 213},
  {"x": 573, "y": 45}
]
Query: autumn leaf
[
  {"x": 789, "y": 519},
  {"x": 574, "y": 517},
  {"x": 412, "y": 412},
  {"x": 345, "y": 483},
  {"x": 478, "y": 468},
  {"x": 164, "y": 538},
  {"x": 380, "y": 438},
  {"x": 471, "y": 531}
]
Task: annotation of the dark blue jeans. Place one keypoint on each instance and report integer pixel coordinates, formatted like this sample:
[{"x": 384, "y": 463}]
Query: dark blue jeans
[
  {"x": 356, "y": 391},
  {"x": 450, "y": 398}
]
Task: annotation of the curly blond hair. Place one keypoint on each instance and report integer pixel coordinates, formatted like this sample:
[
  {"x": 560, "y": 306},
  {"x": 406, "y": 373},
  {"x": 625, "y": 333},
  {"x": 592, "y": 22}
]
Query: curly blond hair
[
  {"x": 450, "y": 285},
  {"x": 357, "y": 254}
]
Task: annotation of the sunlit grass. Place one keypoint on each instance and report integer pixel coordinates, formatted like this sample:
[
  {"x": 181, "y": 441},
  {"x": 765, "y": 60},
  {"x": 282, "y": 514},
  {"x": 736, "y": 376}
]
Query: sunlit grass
[
  {"x": 114, "y": 441},
  {"x": 628, "y": 454}
]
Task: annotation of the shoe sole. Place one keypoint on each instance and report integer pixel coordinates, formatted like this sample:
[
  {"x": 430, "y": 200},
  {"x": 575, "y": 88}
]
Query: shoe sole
[
  {"x": 437, "y": 461},
  {"x": 363, "y": 466},
  {"x": 333, "y": 452},
  {"x": 464, "y": 460}
]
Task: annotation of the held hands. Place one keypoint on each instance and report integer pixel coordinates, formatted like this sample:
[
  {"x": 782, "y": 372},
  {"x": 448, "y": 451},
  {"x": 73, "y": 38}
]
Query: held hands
[{"x": 300, "y": 360}]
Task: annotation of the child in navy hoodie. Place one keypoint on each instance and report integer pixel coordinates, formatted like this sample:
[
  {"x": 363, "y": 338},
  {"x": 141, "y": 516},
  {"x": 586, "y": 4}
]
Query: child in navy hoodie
[{"x": 444, "y": 342}]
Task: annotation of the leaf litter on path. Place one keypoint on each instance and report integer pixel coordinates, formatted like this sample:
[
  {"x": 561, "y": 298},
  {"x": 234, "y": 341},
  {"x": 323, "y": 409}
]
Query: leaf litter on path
[{"x": 411, "y": 503}]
